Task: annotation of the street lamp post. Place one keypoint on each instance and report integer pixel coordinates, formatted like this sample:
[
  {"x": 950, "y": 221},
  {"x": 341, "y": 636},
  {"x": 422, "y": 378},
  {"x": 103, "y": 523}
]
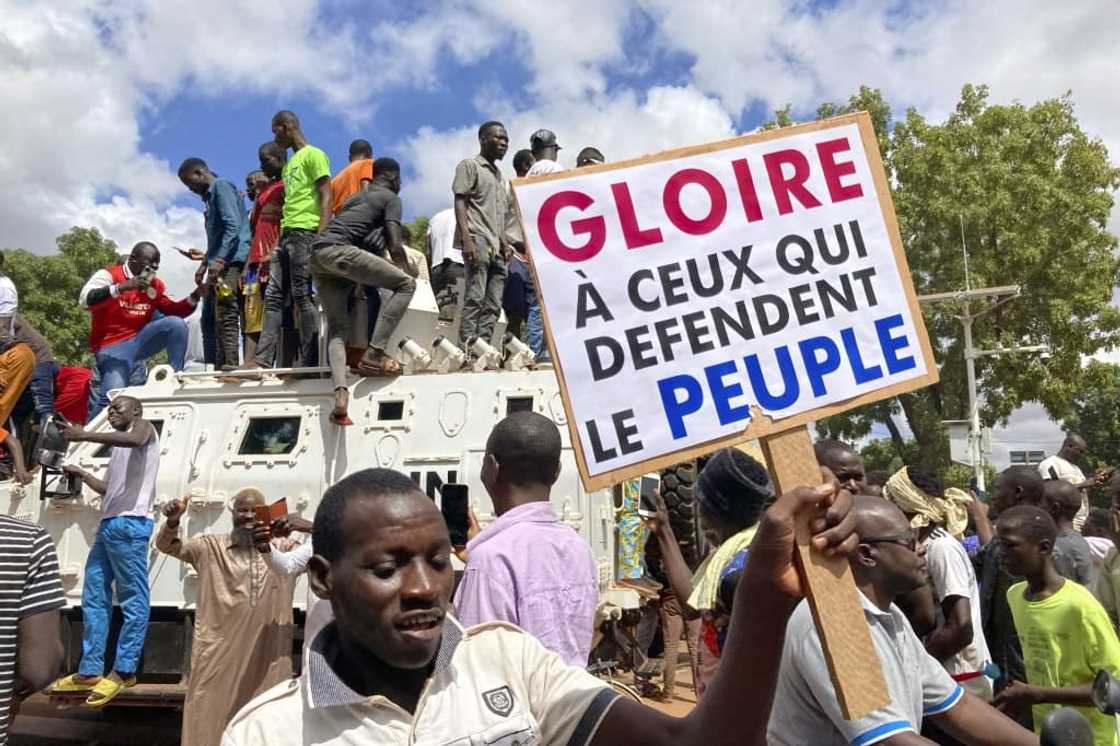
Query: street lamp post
[{"x": 964, "y": 300}]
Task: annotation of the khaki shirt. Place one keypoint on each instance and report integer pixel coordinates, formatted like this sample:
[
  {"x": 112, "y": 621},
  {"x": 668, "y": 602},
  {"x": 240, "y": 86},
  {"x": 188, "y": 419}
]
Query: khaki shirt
[
  {"x": 482, "y": 184},
  {"x": 491, "y": 684}
]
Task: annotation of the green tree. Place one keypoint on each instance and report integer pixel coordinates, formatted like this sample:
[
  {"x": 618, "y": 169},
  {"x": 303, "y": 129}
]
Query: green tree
[
  {"x": 1095, "y": 416},
  {"x": 880, "y": 455},
  {"x": 418, "y": 229},
  {"x": 49, "y": 286},
  {"x": 1034, "y": 193}
]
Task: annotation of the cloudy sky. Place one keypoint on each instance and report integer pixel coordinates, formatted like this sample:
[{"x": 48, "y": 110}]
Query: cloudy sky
[{"x": 102, "y": 100}]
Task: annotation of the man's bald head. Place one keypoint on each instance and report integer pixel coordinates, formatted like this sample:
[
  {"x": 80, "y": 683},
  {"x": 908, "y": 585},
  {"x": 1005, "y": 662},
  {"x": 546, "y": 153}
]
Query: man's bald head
[
  {"x": 1061, "y": 499},
  {"x": 1017, "y": 485},
  {"x": 876, "y": 516},
  {"x": 286, "y": 118},
  {"x": 886, "y": 564}
]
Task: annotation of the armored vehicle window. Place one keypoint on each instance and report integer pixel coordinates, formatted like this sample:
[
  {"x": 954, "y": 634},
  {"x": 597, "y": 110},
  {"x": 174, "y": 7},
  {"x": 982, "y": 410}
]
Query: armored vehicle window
[
  {"x": 390, "y": 410},
  {"x": 106, "y": 450},
  {"x": 519, "y": 404},
  {"x": 270, "y": 436}
]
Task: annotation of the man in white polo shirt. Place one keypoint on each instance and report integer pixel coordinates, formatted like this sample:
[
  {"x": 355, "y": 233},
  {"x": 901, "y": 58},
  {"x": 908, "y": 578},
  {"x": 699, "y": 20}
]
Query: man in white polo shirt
[
  {"x": 806, "y": 710},
  {"x": 393, "y": 666}
]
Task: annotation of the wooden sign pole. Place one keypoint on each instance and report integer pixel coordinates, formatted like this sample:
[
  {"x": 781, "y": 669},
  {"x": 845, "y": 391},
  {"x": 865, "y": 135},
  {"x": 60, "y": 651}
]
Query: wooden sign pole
[{"x": 852, "y": 661}]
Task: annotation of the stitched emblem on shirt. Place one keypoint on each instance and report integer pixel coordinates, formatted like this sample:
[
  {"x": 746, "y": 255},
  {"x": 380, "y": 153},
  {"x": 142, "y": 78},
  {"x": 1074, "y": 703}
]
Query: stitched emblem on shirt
[{"x": 500, "y": 700}]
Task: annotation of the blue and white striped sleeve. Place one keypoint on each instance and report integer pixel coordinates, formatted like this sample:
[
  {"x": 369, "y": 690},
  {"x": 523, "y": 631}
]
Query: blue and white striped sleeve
[
  {"x": 809, "y": 662},
  {"x": 939, "y": 691}
]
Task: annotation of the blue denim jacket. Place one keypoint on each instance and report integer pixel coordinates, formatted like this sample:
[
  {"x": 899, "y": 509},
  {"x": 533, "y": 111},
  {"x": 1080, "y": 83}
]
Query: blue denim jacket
[{"x": 227, "y": 224}]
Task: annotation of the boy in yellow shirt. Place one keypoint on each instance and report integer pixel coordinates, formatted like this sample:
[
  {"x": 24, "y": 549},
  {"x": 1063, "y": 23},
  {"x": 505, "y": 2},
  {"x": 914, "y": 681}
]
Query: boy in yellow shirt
[{"x": 1065, "y": 633}]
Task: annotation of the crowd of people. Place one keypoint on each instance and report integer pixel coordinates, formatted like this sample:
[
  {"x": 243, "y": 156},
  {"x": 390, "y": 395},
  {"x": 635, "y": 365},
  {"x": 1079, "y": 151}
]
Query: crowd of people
[
  {"x": 985, "y": 613},
  {"x": 308, "y": 243}
]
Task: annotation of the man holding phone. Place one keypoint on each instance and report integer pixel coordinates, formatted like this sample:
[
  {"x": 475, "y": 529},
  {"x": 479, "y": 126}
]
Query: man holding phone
[
  {"x": 121, "y": 300},
  {"x": 528, "y": 567},
  {"x": 243, "y": 617}
]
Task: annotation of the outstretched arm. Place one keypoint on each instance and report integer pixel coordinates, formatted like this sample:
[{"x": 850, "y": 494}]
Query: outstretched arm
[
  {"x": 736, "y": 707},
  {"x": 137, "y": 435}
]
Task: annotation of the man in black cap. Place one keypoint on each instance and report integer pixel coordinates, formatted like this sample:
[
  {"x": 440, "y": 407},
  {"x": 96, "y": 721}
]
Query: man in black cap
[
  {"x": 545, "y": 151},
  {"x": 731, "y": 492}
]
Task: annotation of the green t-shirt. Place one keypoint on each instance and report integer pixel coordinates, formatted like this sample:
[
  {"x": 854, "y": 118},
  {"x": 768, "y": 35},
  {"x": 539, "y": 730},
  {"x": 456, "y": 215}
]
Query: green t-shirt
[
  {"x": 301, "y": 199},
  {"x": 1066, "y": 639}
]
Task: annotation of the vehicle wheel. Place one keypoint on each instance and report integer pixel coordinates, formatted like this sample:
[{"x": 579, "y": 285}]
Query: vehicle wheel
[{"x": 677, "y": 490}]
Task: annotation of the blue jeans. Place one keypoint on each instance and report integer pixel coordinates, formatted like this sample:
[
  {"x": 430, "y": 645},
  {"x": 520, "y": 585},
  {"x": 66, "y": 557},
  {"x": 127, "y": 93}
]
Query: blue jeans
[
  {"x": 119, "y": 556},
  {"x": 534, "y": 331},
  {"x": 116, "y": 363}
]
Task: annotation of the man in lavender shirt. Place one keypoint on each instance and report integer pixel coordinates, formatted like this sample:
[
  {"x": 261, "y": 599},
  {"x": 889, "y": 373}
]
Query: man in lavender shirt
[{"x": 528, "y": 567}]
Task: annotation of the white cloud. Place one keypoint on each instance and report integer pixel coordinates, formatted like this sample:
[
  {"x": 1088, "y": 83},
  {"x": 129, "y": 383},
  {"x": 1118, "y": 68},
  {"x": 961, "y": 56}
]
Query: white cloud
[
  {"x": 79, "y": 76},
  {"x": 782, "y": 52},
  {"x": 622, "y": 125}
]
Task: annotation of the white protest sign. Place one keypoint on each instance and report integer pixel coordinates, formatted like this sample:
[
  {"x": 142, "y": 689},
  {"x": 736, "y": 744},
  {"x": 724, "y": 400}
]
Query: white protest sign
[{"x": 706, "y": 295}]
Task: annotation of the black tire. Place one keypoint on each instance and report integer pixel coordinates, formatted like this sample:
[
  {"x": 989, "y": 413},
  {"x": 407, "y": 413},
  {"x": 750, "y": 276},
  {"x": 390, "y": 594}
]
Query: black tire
[{"x": 677, "y": 490}]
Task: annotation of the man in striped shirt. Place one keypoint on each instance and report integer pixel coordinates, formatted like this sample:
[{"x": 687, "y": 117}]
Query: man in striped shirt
[{"x": 31, "y": 650}]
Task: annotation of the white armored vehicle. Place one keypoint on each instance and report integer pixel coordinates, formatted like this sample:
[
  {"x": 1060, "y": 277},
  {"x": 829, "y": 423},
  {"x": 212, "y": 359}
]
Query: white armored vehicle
[{"x": 273, "y": 432}]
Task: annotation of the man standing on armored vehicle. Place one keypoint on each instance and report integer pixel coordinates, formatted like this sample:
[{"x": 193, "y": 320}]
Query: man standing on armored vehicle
[
  {"x": 481, "y": 202},
  {"x": 348, "y": 252},
  {"x": 119, "y": 555}
]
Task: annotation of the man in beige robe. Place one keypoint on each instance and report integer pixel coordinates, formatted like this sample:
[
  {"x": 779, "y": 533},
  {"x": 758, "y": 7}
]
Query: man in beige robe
[{"x": 243, "y": 619}]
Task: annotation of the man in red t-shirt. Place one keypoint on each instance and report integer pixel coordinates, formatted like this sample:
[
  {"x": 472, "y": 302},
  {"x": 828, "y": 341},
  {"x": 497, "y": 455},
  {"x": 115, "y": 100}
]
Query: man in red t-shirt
[{"x": 121, "y": 300}]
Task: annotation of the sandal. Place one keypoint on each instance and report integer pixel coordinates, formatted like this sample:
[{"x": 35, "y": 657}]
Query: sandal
[
  {"x": 70, "y": 684},
  {"x": 388, "y": 366},
  {"x": 107, "y": 689},
  {"x": 341, "y": 419}
]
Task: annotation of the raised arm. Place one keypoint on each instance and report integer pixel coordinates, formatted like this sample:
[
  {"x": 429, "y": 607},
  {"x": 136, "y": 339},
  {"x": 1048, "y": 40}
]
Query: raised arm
[
  {"x": 100, "y": 288},
  {"x": 672, "y": 560},
  {"x": 736, "y": 706},
  {"x": 136, "y": 436},
  {"x": 168, "y": 541}
]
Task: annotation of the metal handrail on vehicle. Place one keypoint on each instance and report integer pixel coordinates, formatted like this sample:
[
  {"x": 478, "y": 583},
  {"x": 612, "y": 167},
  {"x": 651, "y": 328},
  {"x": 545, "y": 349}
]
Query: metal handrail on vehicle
[{"x": 251, "y": 373}]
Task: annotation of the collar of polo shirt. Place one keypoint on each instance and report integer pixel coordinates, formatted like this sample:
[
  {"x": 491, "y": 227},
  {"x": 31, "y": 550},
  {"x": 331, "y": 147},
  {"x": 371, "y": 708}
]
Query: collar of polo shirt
[{"x": 326, "y": 689}]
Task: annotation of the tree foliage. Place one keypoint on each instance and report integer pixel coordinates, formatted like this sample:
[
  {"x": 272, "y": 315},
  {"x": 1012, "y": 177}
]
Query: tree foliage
[
  {"x": 49, "y": 285},
  {"x": 418, "y": 229},
  {"x": 1034, "y": 193},
  {"x": 1095, "y": 416}
]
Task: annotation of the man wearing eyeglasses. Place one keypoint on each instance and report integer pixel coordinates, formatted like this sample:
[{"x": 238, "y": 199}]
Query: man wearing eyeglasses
[{"x": 887, "y": 564}]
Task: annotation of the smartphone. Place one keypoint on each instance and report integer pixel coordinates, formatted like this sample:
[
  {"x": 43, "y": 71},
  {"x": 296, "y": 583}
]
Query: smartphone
[
  {"x": 647, "y": 502},
  {"x": 454, "y": 503}
]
